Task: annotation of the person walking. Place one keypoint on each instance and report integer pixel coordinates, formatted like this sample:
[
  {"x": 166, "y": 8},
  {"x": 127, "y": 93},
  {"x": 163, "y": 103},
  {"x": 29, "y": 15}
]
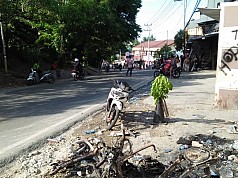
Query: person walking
[
  {"x": 182, "y": 58},
  {"x": 186, "y": 64},
  {"x": 195, "y": 63},
  {"x": 173, "y": 65},
  {"x": 129, "y": 62},
  {"x": 54, "y": 66}
]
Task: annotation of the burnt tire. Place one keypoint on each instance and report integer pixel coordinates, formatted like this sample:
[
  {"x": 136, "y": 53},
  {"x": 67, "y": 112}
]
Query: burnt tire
[{"x": 114, "y": 115}]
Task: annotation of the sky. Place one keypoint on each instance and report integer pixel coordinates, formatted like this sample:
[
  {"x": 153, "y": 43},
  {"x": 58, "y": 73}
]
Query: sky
[{"x": 164, "y": 18}]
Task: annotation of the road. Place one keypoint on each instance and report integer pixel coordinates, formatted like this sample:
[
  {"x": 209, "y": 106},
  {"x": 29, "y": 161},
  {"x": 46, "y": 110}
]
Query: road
[{"x": 30, "y": 115}]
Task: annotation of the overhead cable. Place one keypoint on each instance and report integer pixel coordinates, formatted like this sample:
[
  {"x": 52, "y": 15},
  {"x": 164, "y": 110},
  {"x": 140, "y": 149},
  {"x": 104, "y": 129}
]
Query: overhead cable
[{"x": 158, "y": 11}]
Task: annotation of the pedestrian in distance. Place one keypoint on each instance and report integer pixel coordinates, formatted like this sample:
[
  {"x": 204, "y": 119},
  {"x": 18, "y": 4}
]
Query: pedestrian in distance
[
  {"x": 173, "y": 65},
  {"x": 195, "y": 63},
  {"x": 54, "y": 66},
  {"x": 129, "y": 62},
  {"x": 186, "y": 64},
  {"x": 182, "y": 58}
]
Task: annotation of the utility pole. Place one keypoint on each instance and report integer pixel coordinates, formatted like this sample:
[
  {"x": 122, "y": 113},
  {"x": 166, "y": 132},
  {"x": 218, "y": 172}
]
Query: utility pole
[
  {"x": 184, "y": 24},
  {"x": 167, "y": 44},
  {"x": 148, "y": 29},
  {"x": 184, "y": 30},
  {"x": 167, "y": 37},
  {"x": 3, "y": 45}
]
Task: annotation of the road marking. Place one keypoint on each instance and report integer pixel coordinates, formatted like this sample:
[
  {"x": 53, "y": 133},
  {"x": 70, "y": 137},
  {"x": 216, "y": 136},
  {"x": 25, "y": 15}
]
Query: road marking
[{"x": 47, "y": 129}]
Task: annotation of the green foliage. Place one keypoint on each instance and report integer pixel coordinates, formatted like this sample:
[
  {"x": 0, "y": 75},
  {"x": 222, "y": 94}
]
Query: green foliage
[
  {"x": 89, "y": 29},
  {"x": 164, "y": 51},
  {"x": 179, "y": 40},
  {"x": 151, "y": 38},
  {"x": 160, "y": 88}
]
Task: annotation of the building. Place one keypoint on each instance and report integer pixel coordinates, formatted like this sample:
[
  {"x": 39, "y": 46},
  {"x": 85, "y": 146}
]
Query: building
[
  {"x": 226, "y": 89},
  {"x": 218, "y": 47},
  {"x": 203, "y": 34},
  {"x": 145, "y": 51}
]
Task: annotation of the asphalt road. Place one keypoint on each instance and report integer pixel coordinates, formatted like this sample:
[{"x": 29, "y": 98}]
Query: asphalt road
[{"x": 30, "y": 115}]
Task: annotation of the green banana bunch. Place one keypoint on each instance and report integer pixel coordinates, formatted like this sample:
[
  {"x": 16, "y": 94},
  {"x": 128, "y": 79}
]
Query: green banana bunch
[{"x": 160, "y": 88}]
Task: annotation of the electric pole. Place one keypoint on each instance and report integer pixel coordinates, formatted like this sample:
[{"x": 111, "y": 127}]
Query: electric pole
[
  {"x": 3, "y": 45},
  {"x": 148, "y": 29}
]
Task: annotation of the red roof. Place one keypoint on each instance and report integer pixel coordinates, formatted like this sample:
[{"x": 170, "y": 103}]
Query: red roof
[{"x": 155, "y": 44}]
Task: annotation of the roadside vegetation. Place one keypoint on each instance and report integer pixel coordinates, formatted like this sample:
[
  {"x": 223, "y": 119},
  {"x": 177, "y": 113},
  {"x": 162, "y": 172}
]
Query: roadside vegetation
[{"x": 63, "y": 29}]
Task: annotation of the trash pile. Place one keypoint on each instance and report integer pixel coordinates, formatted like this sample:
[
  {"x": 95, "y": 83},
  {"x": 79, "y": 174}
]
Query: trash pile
[
  {"x": 198, "y": 156},
  {"x": 93, "y": 157}
]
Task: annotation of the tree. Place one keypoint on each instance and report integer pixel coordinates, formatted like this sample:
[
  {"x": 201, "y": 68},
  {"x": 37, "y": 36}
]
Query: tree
[
  {"x": 165, "y": 51},
  {"x": 179, "y": 40},
  {"x": 91, "y": 30},
  {"x": 151, "y": 38},
  {"x": 159, "y": 90}
]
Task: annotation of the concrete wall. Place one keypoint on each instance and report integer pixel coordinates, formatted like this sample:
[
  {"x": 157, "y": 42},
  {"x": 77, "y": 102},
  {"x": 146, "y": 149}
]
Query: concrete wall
[{"x": 226, "y": 89}]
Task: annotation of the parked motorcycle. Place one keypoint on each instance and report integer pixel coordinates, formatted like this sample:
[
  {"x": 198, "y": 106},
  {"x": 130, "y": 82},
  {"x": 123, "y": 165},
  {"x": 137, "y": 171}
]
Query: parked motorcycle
[
  {"x": 117, "y": 96},
  {"x": 46, "y": 76},
  {"x": 164, "y": 69}
]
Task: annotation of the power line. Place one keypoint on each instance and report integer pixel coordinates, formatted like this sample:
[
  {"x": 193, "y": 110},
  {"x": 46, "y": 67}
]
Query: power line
[
  {"x": 164, "y": 12},
  {"x": 158, "y": 11},
  {"x": 175, "y": 26},
  {"x": 167, "y": 17},
  {"x": 148, "y": 28},
  {"x": 195, "y": 8}
]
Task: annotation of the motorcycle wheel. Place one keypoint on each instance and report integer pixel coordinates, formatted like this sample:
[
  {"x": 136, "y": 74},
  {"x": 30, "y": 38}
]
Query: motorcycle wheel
[
  {"x": 176, "y": 73},
  {"x": 51, "y": 80},
  {"x": 29, "y": 82},
  {"x": 82, "y": 77},
  {"x": 156, "y": 74},
  {"x": 75, "y": 78},
  {"x": 112, "y": 117}
]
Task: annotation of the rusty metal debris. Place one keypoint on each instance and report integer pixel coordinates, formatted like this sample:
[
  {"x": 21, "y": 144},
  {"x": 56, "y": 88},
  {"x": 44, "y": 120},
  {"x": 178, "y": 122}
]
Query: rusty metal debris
[
  {"x": 93, "y": 157},
  {"x": 188, "y": 162},
  {"x": 101, "y": 160}
]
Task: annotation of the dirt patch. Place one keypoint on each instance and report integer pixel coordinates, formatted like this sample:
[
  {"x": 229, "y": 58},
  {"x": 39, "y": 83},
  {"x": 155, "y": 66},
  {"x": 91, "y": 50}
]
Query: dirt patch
[{"x": 9, "y": 81}]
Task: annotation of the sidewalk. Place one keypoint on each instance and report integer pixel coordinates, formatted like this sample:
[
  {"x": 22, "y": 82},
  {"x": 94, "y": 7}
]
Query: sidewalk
[
  {"x": 192, "y": 111},
  {"x": 194, "y": 98}
]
